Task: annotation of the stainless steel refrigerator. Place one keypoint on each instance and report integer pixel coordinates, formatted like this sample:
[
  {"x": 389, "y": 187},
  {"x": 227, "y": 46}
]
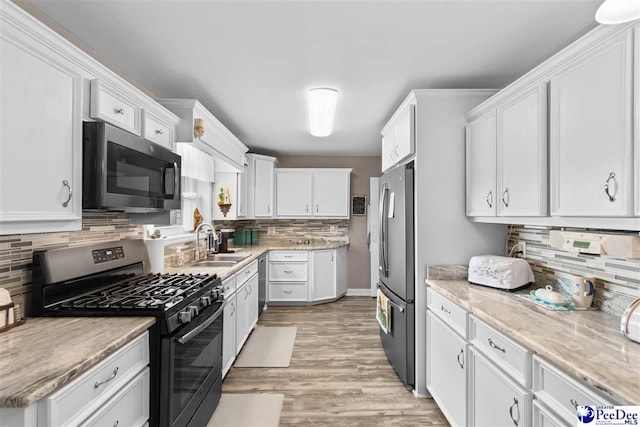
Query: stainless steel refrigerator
[{"x": 396, "y": 268}]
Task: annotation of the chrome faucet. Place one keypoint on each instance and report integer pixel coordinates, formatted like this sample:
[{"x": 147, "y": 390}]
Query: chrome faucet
[{"x": 215, "y": 237}]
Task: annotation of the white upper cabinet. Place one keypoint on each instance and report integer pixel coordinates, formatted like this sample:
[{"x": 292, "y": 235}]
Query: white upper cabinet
[
  {"x": 260, "y": 185},
  {"x": 242, "y": 192},
  {"x": 321, "y": 193},
  {"x": 113, "y": 106},
  {"x": 40, "y": 129},
  {"x": 331, "y": 192},
  {"x": 293, "y": 193},
  {"x": 522, "y": 154},
  {"x": 263, "y": 184},
  {"x": 591, "y": 132},
  {"x": 158, "y": 129},
  {"x": 398, "y": 136},
  {"x": 198, "y": 126},
  {"x": 481, "y": 165}
]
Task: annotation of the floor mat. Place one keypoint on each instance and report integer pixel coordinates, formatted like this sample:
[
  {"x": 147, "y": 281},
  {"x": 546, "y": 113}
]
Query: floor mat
[
  {"x": 268, "y": 347},
  {"x": 247, "y": 410}
]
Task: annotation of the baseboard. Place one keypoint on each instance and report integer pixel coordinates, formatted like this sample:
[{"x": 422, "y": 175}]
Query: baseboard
[{"x": 358, "y": 292}]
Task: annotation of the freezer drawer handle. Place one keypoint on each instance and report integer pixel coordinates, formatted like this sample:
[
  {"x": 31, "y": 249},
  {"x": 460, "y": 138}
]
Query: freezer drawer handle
[
  {"x": 399, "y": 307},
  {"x": 494, "y": 345}
]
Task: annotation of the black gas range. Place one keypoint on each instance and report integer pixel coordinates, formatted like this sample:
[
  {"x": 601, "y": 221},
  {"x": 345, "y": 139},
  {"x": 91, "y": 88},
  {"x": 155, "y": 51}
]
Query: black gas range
[{"x": 112, "y": 279}]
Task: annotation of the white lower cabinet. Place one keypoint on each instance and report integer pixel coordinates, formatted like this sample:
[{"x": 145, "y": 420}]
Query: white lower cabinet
[
  {"x": 447, "y": 370},
  {"x": 560, "y": 395},
  {"x": 544, "y": 417},
  {"x": 229, "y": 333},
  {"x": 324, "y": 274},
  {"x": 494, "y": 398},
  {"x": 113, "y": 392}
]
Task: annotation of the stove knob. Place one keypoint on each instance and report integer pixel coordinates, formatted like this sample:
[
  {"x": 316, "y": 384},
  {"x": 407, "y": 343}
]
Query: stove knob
[
  {"x": 205, "y": 301},
  {"x": 184, "y": 317},
  {"x": 193, "y": 310}
]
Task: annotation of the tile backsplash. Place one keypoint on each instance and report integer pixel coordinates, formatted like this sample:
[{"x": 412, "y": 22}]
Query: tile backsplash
[
  {"x": 617, "y": 279},
  {"x": 286, "y": 231},
  {"x": 16, "y": 251}
]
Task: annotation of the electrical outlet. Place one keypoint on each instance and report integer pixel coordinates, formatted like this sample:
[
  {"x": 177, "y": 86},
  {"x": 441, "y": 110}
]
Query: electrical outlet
[
  {"x": 271, "y": 230},
  {"x": 333, "y": 229},
  {"x": 520, "y": 249}
]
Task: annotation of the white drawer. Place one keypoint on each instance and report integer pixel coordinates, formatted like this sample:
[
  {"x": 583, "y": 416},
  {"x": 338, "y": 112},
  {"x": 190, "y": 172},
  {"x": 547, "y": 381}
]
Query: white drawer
[
  {"x": 544, "y": 417},
  {"x": 288, "y": 291},
  {"x": 449, "y": 312},
  {"x": 560, "y": 392},
  {"x": 288, "y": 256},
  {"x": 156, "y": 131},
  {"x": 74, "y": 402},
  {"x": 511, "y": 357},
  {"x": 287, "y": 271},
  {"x": 246, "y": 273},
  {"x": 114, "y": 108},
  {"x": 229, "y": 286},
  {"x": 129, "y": 406}
]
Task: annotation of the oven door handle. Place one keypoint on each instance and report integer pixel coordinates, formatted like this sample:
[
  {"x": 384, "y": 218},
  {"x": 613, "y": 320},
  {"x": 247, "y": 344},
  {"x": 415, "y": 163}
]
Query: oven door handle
[{"x": 191, "y": 334}]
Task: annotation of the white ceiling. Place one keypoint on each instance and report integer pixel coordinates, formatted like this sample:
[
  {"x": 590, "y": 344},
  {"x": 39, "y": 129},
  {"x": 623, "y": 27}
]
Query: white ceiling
[{"x": 251, "y": 62}]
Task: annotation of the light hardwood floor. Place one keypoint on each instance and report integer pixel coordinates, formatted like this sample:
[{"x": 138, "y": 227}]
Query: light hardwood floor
[{"x": 339, "y": 374}]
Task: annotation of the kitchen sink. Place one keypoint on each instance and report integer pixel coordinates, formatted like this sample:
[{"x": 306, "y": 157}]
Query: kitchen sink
[
  {"x": 222, "y": 260},
  {"x": 214, "y": 263}
]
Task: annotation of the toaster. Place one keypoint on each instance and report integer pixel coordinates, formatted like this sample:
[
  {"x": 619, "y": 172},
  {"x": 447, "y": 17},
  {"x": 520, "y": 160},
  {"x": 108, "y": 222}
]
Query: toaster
[
  {"x": 630, "y": 322},
  {"x": 500, "y": 272}
]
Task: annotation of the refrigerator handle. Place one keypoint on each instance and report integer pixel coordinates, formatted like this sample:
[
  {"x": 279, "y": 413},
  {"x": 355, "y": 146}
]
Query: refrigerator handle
[{"x": 383, "y": 242}]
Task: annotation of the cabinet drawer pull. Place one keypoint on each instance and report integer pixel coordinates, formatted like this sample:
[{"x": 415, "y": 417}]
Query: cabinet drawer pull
[
  {"x": 505, "y": 193},
  {"x": 288, "y": 256},
  {"x": 490, "y": 198},
  {"x": 517, "y": 406},
  {"x": 574, "y": 403},
  {"x": 116, "y": 423},
  {"x": 288, "y": 271},
  {"x": 317, "y": 208},
  {"x": 119, "y": 111},
  {"x": 288, "y": 292},
  {"x": 306, "y": 209},
  {"x": 444, "y": 309},
  {"x": 494, "y": 345},
  {"x": 159, "y": 132},
  {"x": 113, "y": 375},
  {"x": 65, "y": 183},
  {"x": 461, "y": 361},
  {"x": 612, "y": 177}
]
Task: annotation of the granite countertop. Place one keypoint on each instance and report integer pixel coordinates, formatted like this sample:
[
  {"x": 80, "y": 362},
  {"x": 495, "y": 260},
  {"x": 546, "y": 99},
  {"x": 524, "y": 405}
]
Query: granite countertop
[
  {"x": 255, "y": 252},
  {"x": 585, "y": 344},
  {"x": 46, "y": 353}
]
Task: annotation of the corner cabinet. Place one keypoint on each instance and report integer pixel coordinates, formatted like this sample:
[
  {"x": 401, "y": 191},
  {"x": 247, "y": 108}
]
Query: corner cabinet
[
  {"x": 307, "y": 277},
  {"x": 319, "y": 193},
  {"x": 40, "y": 129},
  {"x": 398, "y": 136},
  {"x": 592, "y": 131}
]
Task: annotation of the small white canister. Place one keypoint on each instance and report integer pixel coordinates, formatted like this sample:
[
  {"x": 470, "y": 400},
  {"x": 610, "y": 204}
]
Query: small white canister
[{"x": 630, "y": 322}]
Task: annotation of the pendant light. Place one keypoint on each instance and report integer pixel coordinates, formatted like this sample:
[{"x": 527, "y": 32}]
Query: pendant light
[
  {"x": 618, "y": 11},
  {"x": 322, "y": 110}
]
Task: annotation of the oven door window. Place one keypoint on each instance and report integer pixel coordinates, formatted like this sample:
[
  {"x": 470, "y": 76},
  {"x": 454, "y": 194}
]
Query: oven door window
[
  {"x": 195, "y": 359},
  {"x": 133, "y": 173}
]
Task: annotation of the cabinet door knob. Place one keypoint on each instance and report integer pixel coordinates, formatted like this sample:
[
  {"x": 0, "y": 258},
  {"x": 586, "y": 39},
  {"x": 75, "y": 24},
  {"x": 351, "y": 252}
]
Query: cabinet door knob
[
  {"x": 574, "y": 403},
  {"x": 611, "y": 179},
  {"x": 490, "y": 198},
  {"x": 505, "y": 193},
  {"x": 159, "y": 132},
  {"x": 515, "y": 405},
  {"x": 119, "y": 111},
  {"x": 65, "y": 183}
]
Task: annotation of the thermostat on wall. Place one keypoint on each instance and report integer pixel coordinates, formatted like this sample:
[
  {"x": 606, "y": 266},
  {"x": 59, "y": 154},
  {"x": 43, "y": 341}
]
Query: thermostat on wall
[{"x": 618, "y": 245}]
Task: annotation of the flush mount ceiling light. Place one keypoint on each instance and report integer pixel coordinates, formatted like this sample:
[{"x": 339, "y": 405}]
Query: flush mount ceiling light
[
  {"x": 322, "y": 110},
  {"x": 618, "y": 11}
]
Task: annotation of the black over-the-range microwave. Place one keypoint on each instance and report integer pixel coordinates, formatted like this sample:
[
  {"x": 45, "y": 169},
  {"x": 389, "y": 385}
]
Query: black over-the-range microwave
[{"x": 124, "y": 172}]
